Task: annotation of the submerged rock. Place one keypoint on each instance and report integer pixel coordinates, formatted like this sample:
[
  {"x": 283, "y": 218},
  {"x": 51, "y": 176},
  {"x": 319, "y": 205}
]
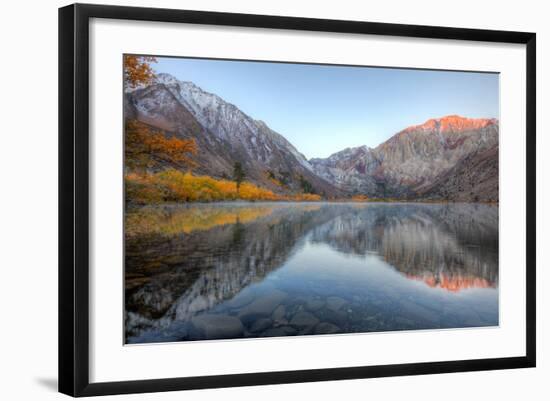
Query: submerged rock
[
  {"x": 218, "y": 326},
  {"x": 326, "y": 328},
  {"x": 303, "y": 320},
  {"x": 261, "y": 325},
  {"x": 262, "y": 307},
  {"x": 274, "y": 332},
  {"x": 241, "y": 300},
  {"x": 279, "y": 332},
  {"x": 335, "y": 303},
  {"x": 338, "y": 317},
  {"x": 279, "y": 313},
  {"x": 417, "y": 312},
  {"x": 314, "y": 304}
]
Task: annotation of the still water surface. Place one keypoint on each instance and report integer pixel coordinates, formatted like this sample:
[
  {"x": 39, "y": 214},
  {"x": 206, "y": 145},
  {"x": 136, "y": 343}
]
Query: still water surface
[{"x": 233, "y": 270}]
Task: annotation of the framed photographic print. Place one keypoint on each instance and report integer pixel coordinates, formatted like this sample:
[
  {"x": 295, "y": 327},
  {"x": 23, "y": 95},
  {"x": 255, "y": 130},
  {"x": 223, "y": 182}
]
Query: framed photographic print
[{"x": 249, "y": 199}]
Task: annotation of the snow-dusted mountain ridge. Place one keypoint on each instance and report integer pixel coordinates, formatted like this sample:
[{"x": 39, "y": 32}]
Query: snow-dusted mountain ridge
[
  {"x": 452, "y": 157},
  {"x": 227, "y": 134}
]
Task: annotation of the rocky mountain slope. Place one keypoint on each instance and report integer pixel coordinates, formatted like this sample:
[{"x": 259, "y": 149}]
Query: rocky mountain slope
[
  {"x": 449, "y": 158},
  {"x": 351, "y": 169},
  {"x": 452, "y": 157},
  {"x": 473, "y": 178},
  {"x": 224, "y": 135}
]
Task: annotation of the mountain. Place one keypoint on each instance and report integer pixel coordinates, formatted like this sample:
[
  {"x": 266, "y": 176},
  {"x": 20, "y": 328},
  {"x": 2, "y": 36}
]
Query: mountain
[
  {"x": 452, "y": 157},
  {"x": 224, "y": 135},
  {"x": 448, "y": 158},
  {"x": 473, "y": 178},
  {"x": 352, "y": 170}
]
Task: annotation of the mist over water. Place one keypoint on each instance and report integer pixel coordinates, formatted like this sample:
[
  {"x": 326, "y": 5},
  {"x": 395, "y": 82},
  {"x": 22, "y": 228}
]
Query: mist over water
[{"x": 234, "y": 270}]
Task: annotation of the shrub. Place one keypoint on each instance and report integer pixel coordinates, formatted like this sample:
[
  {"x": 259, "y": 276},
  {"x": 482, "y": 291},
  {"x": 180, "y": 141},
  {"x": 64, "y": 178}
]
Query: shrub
[{"x": 176, "y": 186}]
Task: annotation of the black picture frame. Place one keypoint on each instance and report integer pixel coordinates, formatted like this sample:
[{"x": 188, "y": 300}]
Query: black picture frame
[{"x": 74, "y": 198}]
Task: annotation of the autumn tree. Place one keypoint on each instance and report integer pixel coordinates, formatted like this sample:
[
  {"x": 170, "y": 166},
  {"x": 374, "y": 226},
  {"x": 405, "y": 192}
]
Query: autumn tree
[
  {"x": 238, "y": 174},
  {"x": 146, "y": 148},
  {"x": 137, "y": 70}
]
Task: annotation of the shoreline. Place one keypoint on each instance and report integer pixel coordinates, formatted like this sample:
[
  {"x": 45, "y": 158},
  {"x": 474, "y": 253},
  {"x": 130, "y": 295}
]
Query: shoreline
[{"x": 249, "y": 202}]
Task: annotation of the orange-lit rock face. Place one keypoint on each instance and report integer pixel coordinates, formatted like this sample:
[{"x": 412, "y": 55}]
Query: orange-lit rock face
[
  {"x": 454, "y": 123},
  {"x": 453, "y": 283}
]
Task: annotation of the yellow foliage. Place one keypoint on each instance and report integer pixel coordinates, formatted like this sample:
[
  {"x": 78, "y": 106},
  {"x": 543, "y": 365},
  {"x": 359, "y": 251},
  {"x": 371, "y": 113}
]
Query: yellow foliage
[
  {"x": 306, "y": 198},
  {"x": 166, "y": 222},
  {"x": 176, "y": 186},
  {"x": 250, "y": 191},
  {"x": 360, "y": 198}
]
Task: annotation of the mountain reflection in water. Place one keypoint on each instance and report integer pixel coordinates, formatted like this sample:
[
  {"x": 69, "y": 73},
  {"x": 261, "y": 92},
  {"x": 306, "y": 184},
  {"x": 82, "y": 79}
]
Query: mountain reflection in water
[{"x": 277, "y": 269}]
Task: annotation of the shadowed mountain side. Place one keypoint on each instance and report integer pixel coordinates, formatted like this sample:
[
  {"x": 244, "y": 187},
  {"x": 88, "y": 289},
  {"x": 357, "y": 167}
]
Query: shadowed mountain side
[{"x": 474, "y": 178}]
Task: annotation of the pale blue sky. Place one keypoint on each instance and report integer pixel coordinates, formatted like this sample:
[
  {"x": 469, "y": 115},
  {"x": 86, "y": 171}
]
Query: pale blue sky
[{"x": 324, "y": 109}]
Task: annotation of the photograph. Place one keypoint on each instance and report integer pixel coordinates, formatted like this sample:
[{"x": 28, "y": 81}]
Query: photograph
[
  {"x": 276, "y": 199},
  {"x": 266, "y": 201}
]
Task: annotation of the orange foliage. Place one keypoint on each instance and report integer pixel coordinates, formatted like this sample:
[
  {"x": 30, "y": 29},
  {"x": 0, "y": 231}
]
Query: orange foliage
[
  {"x": 137, "y": 70},
  {"x": 175, "y": 186},
  {"x": 360, "y": 198},
  {"x": 170, "y": 222},
  {"x": 306, "y": 198},
  {"x": 146, "y": 148}
]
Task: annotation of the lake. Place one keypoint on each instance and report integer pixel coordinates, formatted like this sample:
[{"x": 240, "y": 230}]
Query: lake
[{"x": 241, "y": 270}]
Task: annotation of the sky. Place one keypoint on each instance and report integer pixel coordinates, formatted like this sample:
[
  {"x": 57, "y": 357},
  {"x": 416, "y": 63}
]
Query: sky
[{"x": 323, "y": 109}]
